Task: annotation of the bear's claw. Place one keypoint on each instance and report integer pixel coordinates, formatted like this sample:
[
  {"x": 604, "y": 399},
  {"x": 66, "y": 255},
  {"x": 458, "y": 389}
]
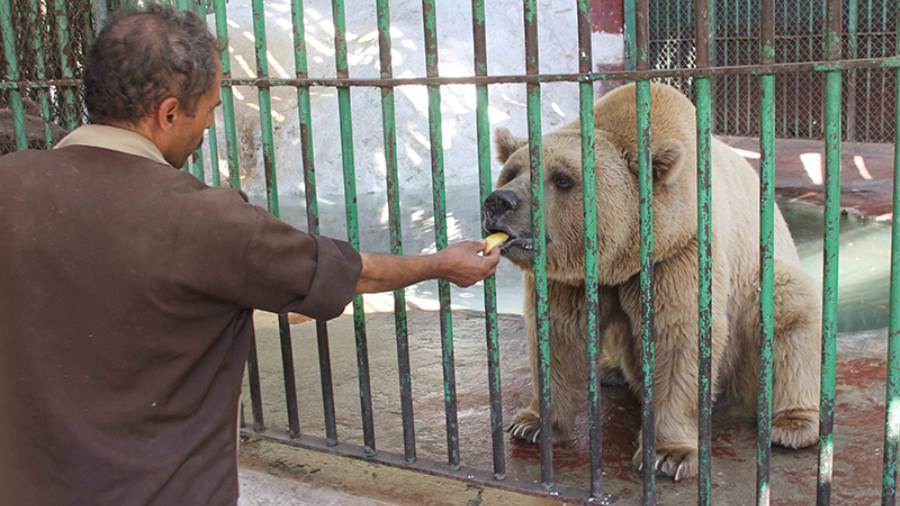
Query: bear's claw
[{"x": 526, "y": 425}]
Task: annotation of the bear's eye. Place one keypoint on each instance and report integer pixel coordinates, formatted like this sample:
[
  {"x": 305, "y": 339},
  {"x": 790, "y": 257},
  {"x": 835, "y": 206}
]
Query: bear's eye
[{"x": 562, "y": 181}]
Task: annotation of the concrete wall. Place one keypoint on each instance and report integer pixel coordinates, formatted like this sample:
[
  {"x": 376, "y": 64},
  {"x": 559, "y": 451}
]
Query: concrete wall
[{"x": 505, "y": 47}]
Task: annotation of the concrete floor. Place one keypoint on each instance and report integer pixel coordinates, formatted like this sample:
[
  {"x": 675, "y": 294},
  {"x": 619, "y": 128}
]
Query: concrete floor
[{"x": 858, "y": 429}]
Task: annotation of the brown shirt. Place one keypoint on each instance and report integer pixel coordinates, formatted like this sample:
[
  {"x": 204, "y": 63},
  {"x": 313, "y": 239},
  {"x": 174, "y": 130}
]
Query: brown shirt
[{"x": 126, "y": 290}]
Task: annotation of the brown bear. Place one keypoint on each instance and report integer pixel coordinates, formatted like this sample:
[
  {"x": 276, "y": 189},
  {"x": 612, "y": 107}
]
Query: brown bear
[{"x": 735, "y": 283}]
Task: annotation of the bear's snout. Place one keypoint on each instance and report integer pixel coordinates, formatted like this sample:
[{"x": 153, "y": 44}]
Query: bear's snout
[{"x": 499, "y": 204}]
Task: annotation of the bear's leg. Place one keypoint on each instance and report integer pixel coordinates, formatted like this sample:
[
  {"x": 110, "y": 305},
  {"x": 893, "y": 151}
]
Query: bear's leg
[
  {"x": 797, "y": 337},
  {"x": 795, "y": 358},
  {"x": 567, "y": 373},
  {"x": 675, "y": 383}
]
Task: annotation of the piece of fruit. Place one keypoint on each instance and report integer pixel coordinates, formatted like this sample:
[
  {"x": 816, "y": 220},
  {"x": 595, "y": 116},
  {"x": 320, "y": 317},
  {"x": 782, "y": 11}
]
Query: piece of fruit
[{"x": 494, "y": 240}]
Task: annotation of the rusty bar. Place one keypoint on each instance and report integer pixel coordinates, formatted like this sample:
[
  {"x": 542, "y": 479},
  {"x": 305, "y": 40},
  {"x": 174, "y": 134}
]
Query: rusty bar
[
  {"x": 591, "y": 274},
  {"x": 704, "y": 252},
  {"x": 490, "y": 284},
  {"x": 645, "y": 180},
  {"x": 429, "y": 20},
  {"x": 831, "y": 254},
  {"x": 349, "y": 173},
  {"x": 471, "y": 475},
  {"x": 766, "y": 257},
  {"x": 290, "y": 383},
  {"x": 255, "y": 393},
  {"x": 312, "y": 208},
  {"x": 539, "y": 235},
  {"x": 887, "y": 62},
  {"x": 389, "y": 130}
]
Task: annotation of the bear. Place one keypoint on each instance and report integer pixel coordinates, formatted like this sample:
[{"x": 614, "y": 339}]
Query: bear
[{"x": 735, "y": 277}]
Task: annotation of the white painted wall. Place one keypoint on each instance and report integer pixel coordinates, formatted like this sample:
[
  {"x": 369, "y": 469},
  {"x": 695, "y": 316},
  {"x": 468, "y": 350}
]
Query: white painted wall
[{"x": 505, "y": 46}]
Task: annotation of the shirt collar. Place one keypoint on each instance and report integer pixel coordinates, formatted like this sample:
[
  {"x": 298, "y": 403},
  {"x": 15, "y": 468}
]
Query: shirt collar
[{"x": 113, "y": 138}]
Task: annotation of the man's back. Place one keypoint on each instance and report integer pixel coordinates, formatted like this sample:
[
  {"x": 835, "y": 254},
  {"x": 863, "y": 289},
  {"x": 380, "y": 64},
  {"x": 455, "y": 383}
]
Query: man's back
[{"x": 124, "y": 288}]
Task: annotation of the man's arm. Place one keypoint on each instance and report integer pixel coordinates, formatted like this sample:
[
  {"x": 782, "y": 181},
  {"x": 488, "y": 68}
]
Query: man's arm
[{"x": 460, "y": 264}]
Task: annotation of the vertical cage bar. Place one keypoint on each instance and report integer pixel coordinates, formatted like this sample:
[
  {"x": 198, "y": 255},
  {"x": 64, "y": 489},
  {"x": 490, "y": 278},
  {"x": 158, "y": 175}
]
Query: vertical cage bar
[
  {"x": 255, "y": 394},
  {"x": 265, "y": 116},
  {"x": 490, "y": 284},
  {"x": 34, "y": 15},
  {"x": 99, "y": 10},
  {"x": 12, "y": 74},
  {"x": 892, "y": 394},
  {"x": 62, "y": 37},
  {"x": 214, "y": 154},
  {"x": 359, "y": 317},
  {"x": 539, "y": 239},
  {"x": 766, "y": 255},
  {"x": 231, "y": 145},
  {"x": 304, "y": 111},
  {"x": 645, "y": 191},
  {"x": 704, "y": 251},
  {"x": 831, "y": 253},
  {"x": 591, "y": 274},
  {"x": 389, "y": 129},
  {"x": 440, "y": 229}
]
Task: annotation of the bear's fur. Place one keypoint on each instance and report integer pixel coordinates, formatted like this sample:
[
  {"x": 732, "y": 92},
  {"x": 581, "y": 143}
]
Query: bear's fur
[{"x": 735, "y": 256}]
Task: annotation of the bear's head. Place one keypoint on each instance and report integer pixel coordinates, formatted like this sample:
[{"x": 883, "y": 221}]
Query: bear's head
[{"x": 508, "y": 208}]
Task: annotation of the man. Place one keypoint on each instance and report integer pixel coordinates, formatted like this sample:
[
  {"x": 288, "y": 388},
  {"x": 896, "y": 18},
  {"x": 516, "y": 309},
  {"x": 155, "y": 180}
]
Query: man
[{"x": 126, "y": 286}]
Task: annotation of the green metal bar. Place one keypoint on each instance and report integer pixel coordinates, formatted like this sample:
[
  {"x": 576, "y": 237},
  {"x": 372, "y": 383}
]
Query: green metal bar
[
  {"x": 892, "y": 395},
  {"x": 12, "y": 73},
  {"x": 34, "y": 20},
  {"x": 196, "y": 163},
  {"x": 231, "y": 144},
  {"x": 483, "y": 130},
  {"x": 704, "y": 266},
  {"x": 62, "y": 34},
  {"x": 265, "y": 113},
  {"x": 539, "y": 240},
  {"x": 766, "y": 257},
  {"x": 831, "y": 253},
  {"x": 304, "y": 111},
  {"x": 265, "y": 105},
  {"x": 359, "y": 317},
  {"x": 440, "y": 230},
  {"x": 703, "y": 100},
  {"x": 389, "y": 129},
  {"x": 766, "y": 283},
  {"x": 645, "y": 194},
  {"x": 591, "y": 271},
  {"x": 214, "y": 154}
]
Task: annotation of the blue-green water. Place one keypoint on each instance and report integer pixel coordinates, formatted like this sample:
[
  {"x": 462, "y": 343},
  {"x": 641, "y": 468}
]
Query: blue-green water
[{"x": 864, "y": 256}]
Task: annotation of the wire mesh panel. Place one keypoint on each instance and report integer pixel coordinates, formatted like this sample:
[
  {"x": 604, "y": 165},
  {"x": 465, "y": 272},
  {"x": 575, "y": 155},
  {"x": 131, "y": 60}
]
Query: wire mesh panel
[{"x": 869, "y": 31}]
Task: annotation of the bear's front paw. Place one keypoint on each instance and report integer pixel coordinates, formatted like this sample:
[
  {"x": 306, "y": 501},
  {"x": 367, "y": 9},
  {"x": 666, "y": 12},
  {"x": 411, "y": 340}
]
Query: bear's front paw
[
  {"x": 677, "y": 461},
  {"x": 796, "y": 428},
  {"x": 526, "y": 425}
]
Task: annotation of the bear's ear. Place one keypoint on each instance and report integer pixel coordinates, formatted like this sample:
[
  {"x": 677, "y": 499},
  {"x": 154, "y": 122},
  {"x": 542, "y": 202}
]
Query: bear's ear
[
  {"x": 667, "y": 161},
  {"x": 507, "y": 144},
  {"x": 668, "y": 158}
]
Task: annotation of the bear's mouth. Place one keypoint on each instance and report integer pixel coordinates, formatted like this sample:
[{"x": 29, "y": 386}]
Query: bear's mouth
[{"x": 514, "y": 242}]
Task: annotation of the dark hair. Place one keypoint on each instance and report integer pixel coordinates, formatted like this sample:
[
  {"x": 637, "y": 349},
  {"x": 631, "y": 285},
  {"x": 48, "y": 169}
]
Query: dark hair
[{"x": 142, "y": 56}]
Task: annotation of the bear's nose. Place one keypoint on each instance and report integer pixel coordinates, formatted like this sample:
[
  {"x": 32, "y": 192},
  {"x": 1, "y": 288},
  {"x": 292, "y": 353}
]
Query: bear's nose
[{"x": 500, "y": 202}]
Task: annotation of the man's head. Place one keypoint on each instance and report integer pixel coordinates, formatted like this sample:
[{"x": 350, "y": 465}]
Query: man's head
[{"x": 155, "y": 71}]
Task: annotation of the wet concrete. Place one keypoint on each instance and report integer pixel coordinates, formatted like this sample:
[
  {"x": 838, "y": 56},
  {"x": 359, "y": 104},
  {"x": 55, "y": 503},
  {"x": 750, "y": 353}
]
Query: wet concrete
[
  {"x": 858, "y": 428},
  {"x": 866, "y": 172}
]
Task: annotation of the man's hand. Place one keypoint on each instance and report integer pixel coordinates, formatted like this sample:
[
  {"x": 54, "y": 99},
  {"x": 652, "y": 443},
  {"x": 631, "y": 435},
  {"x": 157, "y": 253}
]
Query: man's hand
[
  {"x": 460, "y": 263},
  {"x": 463, "y": 266}
]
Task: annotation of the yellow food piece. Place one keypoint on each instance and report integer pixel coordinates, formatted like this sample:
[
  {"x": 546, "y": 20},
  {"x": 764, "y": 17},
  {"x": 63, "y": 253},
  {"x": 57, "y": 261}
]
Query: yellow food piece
[{"x": 494, "y": 240}]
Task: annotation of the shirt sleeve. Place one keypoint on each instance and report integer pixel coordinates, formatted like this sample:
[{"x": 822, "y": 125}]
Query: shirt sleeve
[{"x": 262, "y": 262}]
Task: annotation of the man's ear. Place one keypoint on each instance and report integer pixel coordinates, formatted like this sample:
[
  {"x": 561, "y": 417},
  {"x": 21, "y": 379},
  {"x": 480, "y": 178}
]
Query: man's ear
[
  {"x": 668, "y": 160},
  {"x": 507, "y": 144},
  {"x": 168, "y": 112}
]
